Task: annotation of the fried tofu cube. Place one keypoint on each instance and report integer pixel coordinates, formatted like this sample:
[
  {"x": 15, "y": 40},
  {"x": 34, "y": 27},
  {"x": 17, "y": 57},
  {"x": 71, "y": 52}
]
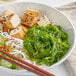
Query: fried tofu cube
[
  {"x": 24, "y": 28},
  {"x": 4, "y": 15},
  {"x": 5, "y": 28},
  {"x": 28, "y": 19},
  {"x": 43, "y": 21},
  {"x": 12, "y": 21},
  {"x": 17, "y": 33},
  {"x": 32, "y": 12}
]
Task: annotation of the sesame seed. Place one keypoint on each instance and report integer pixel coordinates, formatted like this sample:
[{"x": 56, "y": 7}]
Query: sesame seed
[{"x": 30, "y": 13}]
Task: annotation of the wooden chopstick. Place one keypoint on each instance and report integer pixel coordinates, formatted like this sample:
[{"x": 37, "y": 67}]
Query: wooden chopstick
[
  {"x": 24, "y": 62},
  {"x": 23, "y": 66},
  {"x": 33, "y": 68}
]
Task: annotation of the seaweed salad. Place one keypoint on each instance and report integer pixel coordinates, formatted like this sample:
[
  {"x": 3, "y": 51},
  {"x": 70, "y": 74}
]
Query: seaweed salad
[{"x": 46, "y": 45}]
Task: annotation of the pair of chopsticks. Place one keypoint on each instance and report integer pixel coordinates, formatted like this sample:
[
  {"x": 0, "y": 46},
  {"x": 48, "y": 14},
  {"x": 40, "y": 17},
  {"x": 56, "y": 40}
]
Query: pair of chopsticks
[{"x": 25, "y": 65}]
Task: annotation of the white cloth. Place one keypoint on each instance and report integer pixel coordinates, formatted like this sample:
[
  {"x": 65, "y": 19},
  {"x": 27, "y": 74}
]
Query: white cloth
[{"x": 70, "y": 11}]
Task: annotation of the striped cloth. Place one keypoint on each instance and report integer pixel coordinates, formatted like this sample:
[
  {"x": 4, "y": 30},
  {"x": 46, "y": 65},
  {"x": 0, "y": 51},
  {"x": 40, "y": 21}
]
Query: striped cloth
[{"x": 70, "y": 11}]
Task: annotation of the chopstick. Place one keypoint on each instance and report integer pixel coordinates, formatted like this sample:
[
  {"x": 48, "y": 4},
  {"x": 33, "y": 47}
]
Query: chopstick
[
  {"x": 23, "y": 66},
  {"x": 27, "y": 66}
]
